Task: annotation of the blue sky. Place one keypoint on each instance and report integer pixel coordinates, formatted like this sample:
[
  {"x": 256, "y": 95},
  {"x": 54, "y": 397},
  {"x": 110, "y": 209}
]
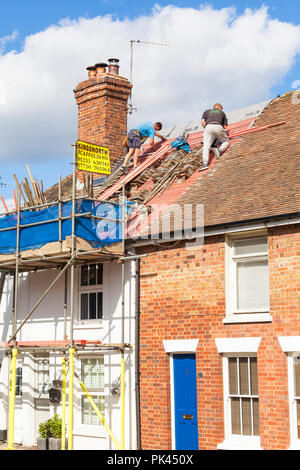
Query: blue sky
[
  {"x": 40, "y": 134},
  {"x": 31, "y": 16}
]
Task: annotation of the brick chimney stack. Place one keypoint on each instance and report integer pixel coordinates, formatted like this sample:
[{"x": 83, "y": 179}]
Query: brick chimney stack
[{"x": 102, "y": 108}]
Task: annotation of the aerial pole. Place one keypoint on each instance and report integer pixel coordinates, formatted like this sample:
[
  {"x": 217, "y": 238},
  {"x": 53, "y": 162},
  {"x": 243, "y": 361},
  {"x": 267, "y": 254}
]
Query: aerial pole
[
  {"x": 71, "y": 349},
  {"x": 132, "y": 41}
]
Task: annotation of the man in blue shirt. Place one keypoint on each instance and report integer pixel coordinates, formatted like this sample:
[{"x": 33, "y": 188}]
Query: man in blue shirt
[{"x": 137, "y": 136}]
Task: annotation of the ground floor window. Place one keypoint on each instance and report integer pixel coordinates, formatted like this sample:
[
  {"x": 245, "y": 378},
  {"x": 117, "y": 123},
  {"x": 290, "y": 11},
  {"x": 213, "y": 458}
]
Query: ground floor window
[
  {"x": 243, "y": 396},
  {"x": 92, "y": 376},
  {"x": 291, "y": 346},
  {"x": 297, "y": 391},
  {"x": 19, "y": 373},
  {"x": 43, "y": 380}
]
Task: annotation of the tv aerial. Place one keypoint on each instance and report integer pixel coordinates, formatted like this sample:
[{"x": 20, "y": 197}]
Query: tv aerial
[{"x": 132, "y": 42}]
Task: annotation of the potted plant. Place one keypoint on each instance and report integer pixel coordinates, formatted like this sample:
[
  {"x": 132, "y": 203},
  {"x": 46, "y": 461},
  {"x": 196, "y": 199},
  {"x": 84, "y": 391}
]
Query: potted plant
[{"x": 50, "y": 434}]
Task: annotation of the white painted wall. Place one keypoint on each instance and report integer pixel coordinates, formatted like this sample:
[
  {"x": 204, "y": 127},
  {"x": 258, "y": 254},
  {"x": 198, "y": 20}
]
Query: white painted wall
[{"x": 47, "y": 323}]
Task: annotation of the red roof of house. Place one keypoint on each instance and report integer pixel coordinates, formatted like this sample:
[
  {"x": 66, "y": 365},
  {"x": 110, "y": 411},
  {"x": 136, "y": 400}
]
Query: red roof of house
[{"x": 263, "y": 157}]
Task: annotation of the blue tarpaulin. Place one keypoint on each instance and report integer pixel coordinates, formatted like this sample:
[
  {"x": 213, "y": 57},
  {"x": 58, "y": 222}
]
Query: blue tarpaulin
[{"x": 97, "y": 232}]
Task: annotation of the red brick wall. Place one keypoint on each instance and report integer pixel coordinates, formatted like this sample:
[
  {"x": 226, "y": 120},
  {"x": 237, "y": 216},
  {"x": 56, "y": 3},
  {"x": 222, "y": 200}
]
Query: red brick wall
[
  {"x": 183, "y": 297},
  {"x": 102, "y": 112}
]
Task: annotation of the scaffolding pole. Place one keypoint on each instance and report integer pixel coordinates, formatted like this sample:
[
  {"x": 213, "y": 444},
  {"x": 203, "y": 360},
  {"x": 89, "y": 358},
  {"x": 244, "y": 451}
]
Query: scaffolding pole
[
  {"x": 72, "y": 350},
  {"x": 54, "y": 203},
  {"x": 71, "y": 398},
  {"x": 72, "y": 346},
  {"x": 63, "y": 404},
  {"x": 59, "y": 213},
  {"x": 12, "y": 399},
  {"x": 39, "y": 301},
  {"x": 17, "y": 265},
  {"x": 65, "y": 304},
  {"x": 100, "y": 416}
]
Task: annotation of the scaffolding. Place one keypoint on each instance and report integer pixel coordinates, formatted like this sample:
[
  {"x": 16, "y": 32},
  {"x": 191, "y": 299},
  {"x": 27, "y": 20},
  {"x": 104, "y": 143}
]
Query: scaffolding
[{"x": 64, "y": 255}]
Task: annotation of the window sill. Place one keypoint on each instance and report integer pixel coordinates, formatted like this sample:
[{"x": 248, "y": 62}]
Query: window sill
[
  {"x": 90, "y": 431},
  {"x": 295, "y": 445},
  {"x": 248, "y": 318},
  {"x": 88, "y": 325},
  {"x": 240, "y": 444}
]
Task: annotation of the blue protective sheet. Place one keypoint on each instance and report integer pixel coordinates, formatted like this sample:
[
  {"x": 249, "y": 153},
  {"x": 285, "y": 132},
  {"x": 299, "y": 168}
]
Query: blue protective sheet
[{"x": 97, "y": 232}]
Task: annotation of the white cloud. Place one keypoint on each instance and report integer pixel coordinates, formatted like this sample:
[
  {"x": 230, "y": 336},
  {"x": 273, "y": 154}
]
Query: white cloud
[
  {"x": 10, "y": 205},
  {"x": 215, "y": 55},
  {"x": 4, "y": 40}
]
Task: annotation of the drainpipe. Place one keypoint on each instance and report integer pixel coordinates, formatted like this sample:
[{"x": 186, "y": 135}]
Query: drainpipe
[
  {"x": 2, "y": 280},
  {"x": 137, "y": 353}
]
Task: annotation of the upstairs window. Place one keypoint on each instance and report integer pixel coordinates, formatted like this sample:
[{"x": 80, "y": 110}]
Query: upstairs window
[
  {"x": 91, "y": 292},
  {"x": 249, "y": 275}
]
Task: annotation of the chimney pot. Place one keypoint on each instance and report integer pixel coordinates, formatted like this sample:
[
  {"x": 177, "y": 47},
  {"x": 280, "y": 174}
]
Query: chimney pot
[
  {"x": 113, "y": 66},
  {"x": 92, "y": 71},
  {"x": 100, "y": 68}
]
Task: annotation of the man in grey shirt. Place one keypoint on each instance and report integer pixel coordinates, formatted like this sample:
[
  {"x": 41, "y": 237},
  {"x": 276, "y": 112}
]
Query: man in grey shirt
[{"x": 215, "y": 124}]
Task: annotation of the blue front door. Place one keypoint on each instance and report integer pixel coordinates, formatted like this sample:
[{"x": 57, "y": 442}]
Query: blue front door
[{"x": 185, "y": 398}]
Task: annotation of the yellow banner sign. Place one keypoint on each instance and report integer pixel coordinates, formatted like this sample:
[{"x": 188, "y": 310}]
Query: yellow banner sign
[{"x": 93, "y": 158}]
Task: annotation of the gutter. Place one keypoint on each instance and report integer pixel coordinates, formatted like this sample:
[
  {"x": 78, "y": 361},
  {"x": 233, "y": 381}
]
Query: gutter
[
  {"x": 2, "y": 280},
  {"x": 231, "y": 227}
]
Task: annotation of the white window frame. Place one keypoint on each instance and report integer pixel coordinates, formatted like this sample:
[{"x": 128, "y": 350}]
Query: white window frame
[
  {"x": 42, "y": 376},
  {"x": 19, "y": 376},
  {"x": 96, "y": 288},
  {"x": 91, "y": 430},
  {"x": 233, "y": 314},
  {"x": 291, "y": 346},
  {"x": 235, "y": 347}
]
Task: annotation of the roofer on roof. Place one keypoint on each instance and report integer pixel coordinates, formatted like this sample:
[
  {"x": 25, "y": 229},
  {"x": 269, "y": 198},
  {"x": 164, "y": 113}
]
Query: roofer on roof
[
  {"x": 137, "y": 136},
  {"x": 215, "y": 124}
]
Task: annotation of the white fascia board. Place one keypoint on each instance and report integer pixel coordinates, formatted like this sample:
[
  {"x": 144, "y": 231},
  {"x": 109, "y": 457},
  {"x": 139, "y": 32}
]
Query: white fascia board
[
  {"x": 180, "y": 345},
  {"x": 253, "y": 226},
  {"x": 237, "y": 345},
  {"x": 289, "y": 343}
]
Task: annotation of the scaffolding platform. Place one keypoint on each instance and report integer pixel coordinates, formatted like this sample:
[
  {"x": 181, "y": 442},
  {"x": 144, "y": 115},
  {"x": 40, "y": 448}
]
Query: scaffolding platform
[
  {"x": 45, "y": 237},
  {"x": 63, "y": 345},
  {"x": 56, "y": 254},
  {"x": 62, "y": 234}
]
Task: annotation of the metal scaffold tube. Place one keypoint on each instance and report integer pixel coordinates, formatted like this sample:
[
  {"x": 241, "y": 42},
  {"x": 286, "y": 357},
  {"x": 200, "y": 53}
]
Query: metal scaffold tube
[
  {"x": 41, "y": 299},
  {"x": 16, "y": 280},
  {"x": 12, "y": 399},
  {"x": 71, "y": 398},
  {"x": 63, "y": 404},
  {"x": 72, "y": 350},
  {"x": 100, "y": 416},
  {"x": 68, "y": 347}
]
